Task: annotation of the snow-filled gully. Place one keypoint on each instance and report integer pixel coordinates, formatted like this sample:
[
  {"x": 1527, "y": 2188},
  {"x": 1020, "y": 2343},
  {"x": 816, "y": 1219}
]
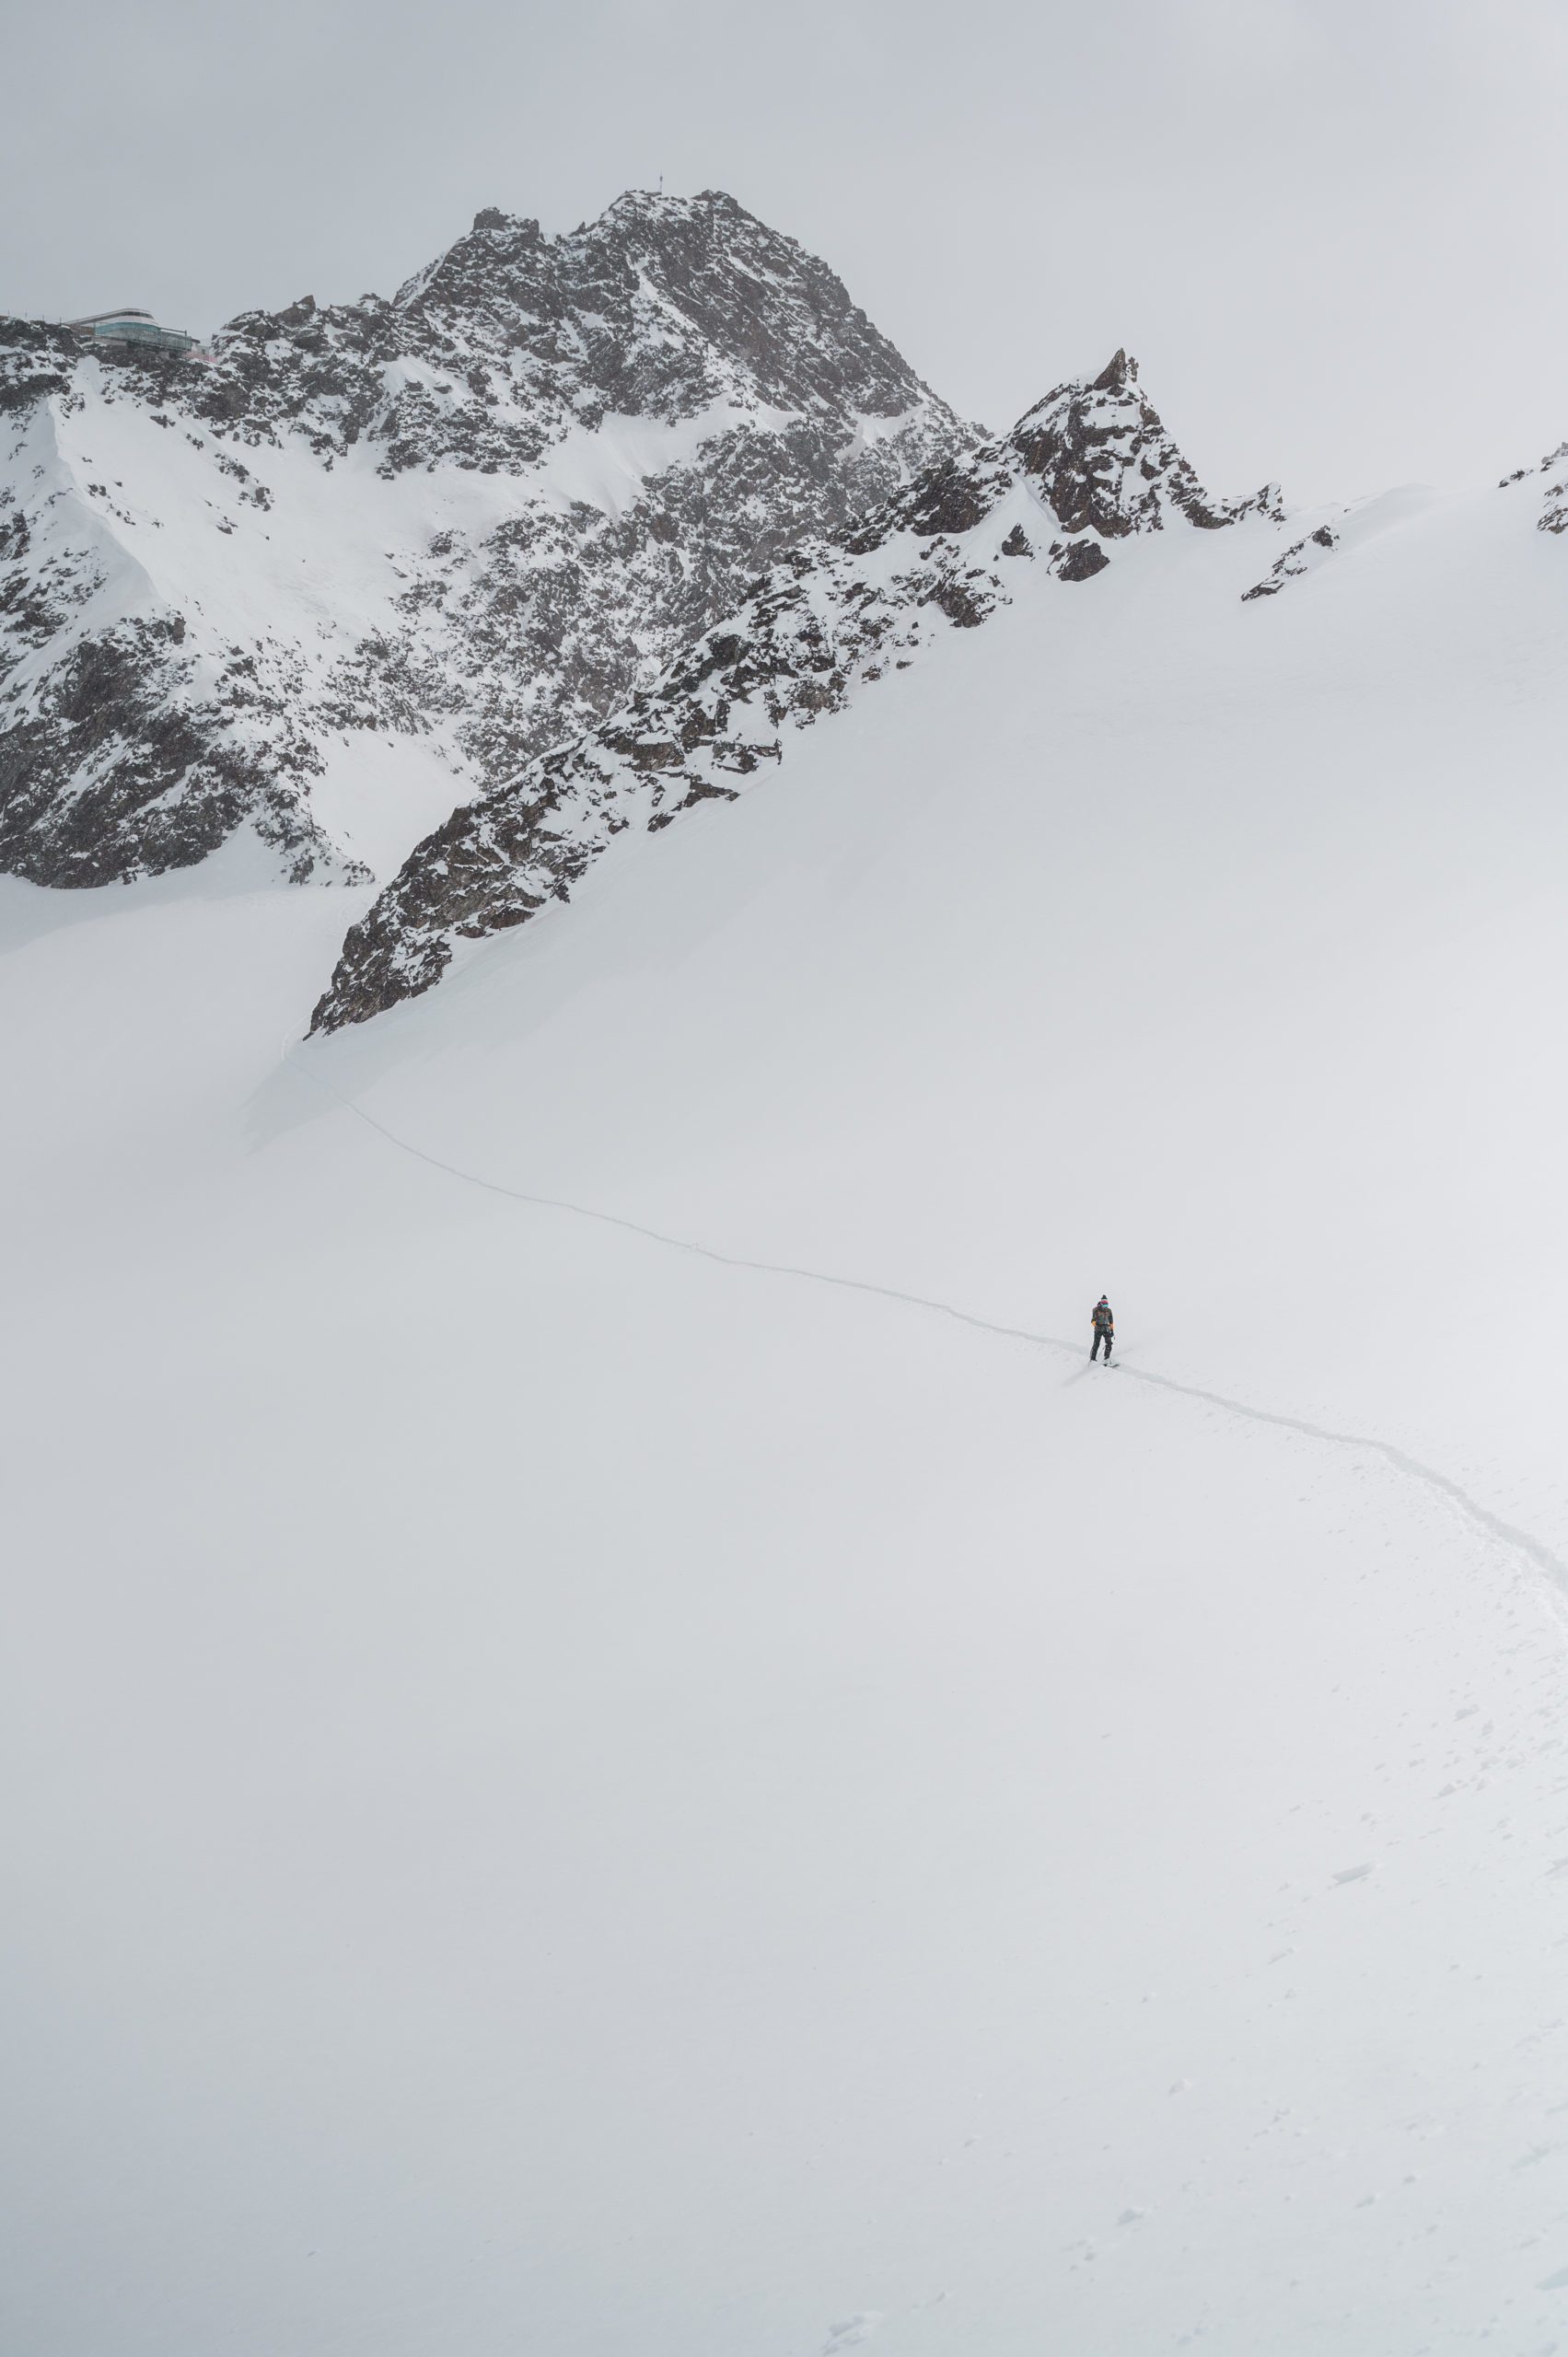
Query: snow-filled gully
[{"x": 1492, "y": 1525}]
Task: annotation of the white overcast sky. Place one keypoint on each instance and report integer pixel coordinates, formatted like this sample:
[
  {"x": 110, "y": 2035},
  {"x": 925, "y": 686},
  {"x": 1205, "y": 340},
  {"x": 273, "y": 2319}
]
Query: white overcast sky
[{"x": 1332, "y": 231}]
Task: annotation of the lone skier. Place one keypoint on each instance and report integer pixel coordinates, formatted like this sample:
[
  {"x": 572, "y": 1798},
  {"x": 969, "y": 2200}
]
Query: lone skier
[{"x": 1105, "y": 1329}]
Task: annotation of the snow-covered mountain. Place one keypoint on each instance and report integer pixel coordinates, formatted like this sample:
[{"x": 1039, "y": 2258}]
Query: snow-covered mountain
[
  {"x": 1087, "y": 467},
  {"x": 612, "y": 1744},
  {"x": 369, "y": 559}
]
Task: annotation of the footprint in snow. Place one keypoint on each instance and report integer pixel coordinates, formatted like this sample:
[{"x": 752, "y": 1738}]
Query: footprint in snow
[
  {"x": 1353, "y": 1874},
  {"x": 853, "y": 2330}
]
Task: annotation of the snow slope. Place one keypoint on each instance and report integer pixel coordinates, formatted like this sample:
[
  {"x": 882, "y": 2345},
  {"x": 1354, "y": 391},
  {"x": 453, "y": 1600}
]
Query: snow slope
[
  {"x": 578, "y": 1796},
  {"x": 1216, "y": 940}
]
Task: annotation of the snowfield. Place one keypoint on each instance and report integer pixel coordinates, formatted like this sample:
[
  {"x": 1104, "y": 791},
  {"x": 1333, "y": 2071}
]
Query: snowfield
[{"x": 569, "y": 1794}]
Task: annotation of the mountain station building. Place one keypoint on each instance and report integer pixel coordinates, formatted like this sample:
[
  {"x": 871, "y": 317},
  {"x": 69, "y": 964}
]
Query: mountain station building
[{"x": 126, "y": 330}]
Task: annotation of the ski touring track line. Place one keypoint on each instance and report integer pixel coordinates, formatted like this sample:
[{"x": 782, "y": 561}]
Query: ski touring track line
[{"x": 1490, "y": 1525}]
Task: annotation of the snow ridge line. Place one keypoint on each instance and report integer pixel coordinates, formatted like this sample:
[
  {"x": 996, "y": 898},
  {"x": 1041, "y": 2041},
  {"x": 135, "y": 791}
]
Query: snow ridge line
[{"x": 1492, "y": 1525}]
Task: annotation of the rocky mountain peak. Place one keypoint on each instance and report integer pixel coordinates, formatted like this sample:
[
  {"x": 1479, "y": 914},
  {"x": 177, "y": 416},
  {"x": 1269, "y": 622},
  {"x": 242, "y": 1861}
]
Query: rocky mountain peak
[
  {"x": 1118, "y": 373},
  {"x": 664, "y": 308},
  {"x": 1096, "y": 456},
  {"x": 494, "y": 260},
  {"x": 197, "y": 629},
  {"x": 491, "y": 218},
  {"x": 1103, "y": 461}
]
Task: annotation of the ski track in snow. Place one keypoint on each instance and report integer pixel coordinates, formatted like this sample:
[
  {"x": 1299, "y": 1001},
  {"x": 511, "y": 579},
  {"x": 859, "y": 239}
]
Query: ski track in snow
[{"x": 1492, "y": 1525}]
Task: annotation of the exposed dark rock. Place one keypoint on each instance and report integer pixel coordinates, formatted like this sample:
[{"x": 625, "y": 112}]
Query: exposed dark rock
[
  {"x": 1296, "y": 561},
  {"x": 1553, "y": 517},
  {"x": 36, "y": 361},
  {"x": 1105, "y": 463},
  {"x": 649, "y": 311},
  {"x": 964, "y": 608},
  {"x": 950, "y": 499},
  {"x": 154, "y": 781},
  {"x": 1554, "y": 505},
  {"x": 1080, "y": 561}
]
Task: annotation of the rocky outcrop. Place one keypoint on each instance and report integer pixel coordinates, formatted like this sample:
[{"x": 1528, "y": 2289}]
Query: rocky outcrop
[
  {"x": 476, "y": 515},
  {"x": 1105, "y": 463},
  {"x": 1553, "y": 515},
  {"x": 116, "y": 752},
  {"x": 1091, "y": 464},
  {"x": 490, "y": 357},
  {"x": 36, "y": 361},
  {"x": 1303, "y": 556}
]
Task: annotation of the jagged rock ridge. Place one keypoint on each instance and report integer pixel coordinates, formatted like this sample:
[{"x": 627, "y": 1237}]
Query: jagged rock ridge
[
  {"x": 1089, "y": 464},
  {"x": 465, "y": 522}
]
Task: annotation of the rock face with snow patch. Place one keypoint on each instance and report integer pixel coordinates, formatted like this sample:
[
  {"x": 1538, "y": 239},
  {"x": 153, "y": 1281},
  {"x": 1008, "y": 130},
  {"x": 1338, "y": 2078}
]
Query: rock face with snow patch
[
  {"x": 468, "y": 521},
  {"x": 1087, "y": 467},
  {"x": 1300, "y": 558},
  {"x": 1553, "y": 517}
]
